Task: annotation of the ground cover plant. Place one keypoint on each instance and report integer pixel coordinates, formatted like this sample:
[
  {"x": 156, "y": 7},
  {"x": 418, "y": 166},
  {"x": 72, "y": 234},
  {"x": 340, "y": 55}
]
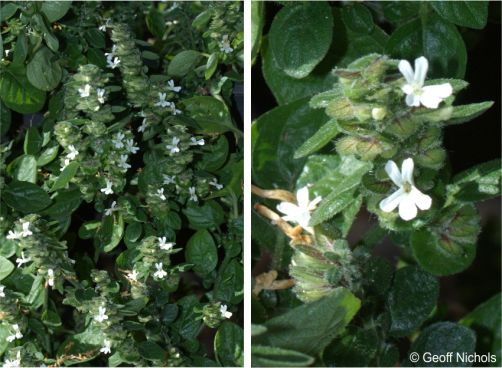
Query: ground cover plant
[
  {"x": 361, "y": 216},
  {"x": 121, "y": 173}
]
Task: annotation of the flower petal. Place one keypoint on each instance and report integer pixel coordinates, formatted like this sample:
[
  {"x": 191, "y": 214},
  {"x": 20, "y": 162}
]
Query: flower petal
[
  {"x": 288, "y": 209},
  {"x": 412, "y": 100},
  {"x": 407, "y": 208},
  {"x": 407, "y": 171},
  {"x": 430, "y": 101},
  {"x": 423, "y": 201},
  {"x": 406, "y": 70},
  {"x": 421, "y": 66},
  {"x": 393, "y": 172},
  {"x": 302, "y": 196},
  {"x": 439, "y": 90},
  {"x": 314, "y": 203},
  {"x": 390, "y": 203}
]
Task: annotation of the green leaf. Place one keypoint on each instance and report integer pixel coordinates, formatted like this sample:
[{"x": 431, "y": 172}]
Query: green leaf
[
  {"x": 211, "y": 65},
  {"x": 345, "y": 178},
  {"x": 26, "y": 169},
  {"x": 55, "y": 10},
  {"x": 412, "y": 297},
  {"x": 32, "y": 141},
  {"x": 201, "y": 251},
  {"x": 486, "y": 321},
  {"x": 216, "y": 157},
  {"x": 448, "y": 247},
  {"x": 287, "y": 89},
  {"x": 6, "y": 267},
  {"x": 275, "y": 137},
  {"x": 356, "y": 349},
  {"x": 473, "y": 14},
  {"x": 228, "y": 286},
  {"x": 7, "y": 11},
  {"x": 116, "y": 233},
  {"x": 257, "y": 22},
  {"x": 300, "y": 37},
  {"x": 44, "y": 71},
  {"x": 88, "y": 229},
  {"x": 48, "y": 155},
  {"x": 5, "y": 119},
  {"x": 321, "y": 138},
  {"x": 443, "y": 338},
  {"x": 66, "y": 175},
  {"x": 358, "y": 18},
  {"x": 302, "y": 330},
  {"x": 95, "y": 38},
  {"x": 155, "y": 22},
  {"x": 18, "y": 94},
  {"x": 229, "y": 345},
  {"x": 183, "y": 63},
  {"x": 211, "y": 114},
  {"x": 437, "y": 40},
  {"x": 209, "y": 215},
  {"x": 51, "y": 318},
  {"x": 269, "y": 356}
]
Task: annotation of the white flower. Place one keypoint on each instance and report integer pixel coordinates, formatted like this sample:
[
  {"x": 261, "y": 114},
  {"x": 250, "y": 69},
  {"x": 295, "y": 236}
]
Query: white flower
[
  {"x": 7, "y": 52},
  {"x": 143, "y": 126},
  {"x": 12, "y": 235},
  {"x": 112, "y": 62},
  {"x": 193, "y": 195},
  {"x": 173, "y": 147},
  {"x": 113, "y": 207},
  {"x": 65, "y": 163},
  {"x": 174, "y": 110},
  {"x": 416, "y": 93},
  {"x": 26, "y": 230},
  {"x": 103, "y": 27},
  {"x": 225, "y": 45},
  {"x": 123, "y": 162},
  {"x": 300, "y": 213},
  {"x": 86, "y": 91},
  {"x": 223, "y": 311},
  {"x": 108, "y": 189},
  {"x": 215, "y": 184},
  {"x": 130, "y": 147},
  {"x": 169, "y": 180},
  {"x": 160, "y": 273},
  {"x": 22, "y": 260},
  {"x": 160, "y": 194},
  {"x": 2, "y": 293},
  {"x": 164, "y": 245},
  {"x": 162, "y": 100},
  {"x": 106, "y": 349},
  {"x": 197, "y": 142},
  {"x": 16, "y": 334},
  {"x": 101, "y": 95},
  {"x": 50, "y": 277},
  {"x": 133, "y": 276},
  {"x": 73, "y": 152},
  {"x": 172, "y": 87},
  {"x": 117, "y": 140},
  {"x": 407, "y": 197},
  {"x": 101, "y": 314},
  {"x": 13, "y": 363}
]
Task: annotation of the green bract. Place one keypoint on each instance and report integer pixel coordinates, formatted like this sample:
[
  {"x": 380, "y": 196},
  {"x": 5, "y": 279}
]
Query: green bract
[{"x": 120, "y": 215}]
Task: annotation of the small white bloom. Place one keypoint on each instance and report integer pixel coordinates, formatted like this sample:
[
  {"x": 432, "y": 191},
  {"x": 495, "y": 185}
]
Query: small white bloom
[
  {"x": 143, "y": 126},
  {"x": 162, "y": 100},
  {"x": 22, "y": 260},
  {"x": 130, "y": 147},
  {"x": 108, "y": 189},
  {"x": 2, "y": 293},
  {"x": 197, "y": 142},
  {"x": 73, "y": 152},
  {"x": 193, "y": 195},
  {"x": 50, "y": 277},
  {"x": 160, "y": 273},
  {"x": 113, "y": 207},
  {"x": 416, "y": 93},
  {"x": 16, "y": 334},
  {"x": 215, "y": 184},
  {"x": 173, "y": 147},
  {"x": 169, "y": 179},
  {"x": 12, "y": 235},
  {"x": 103, "y": 27},
  {"x": 7, "y": 52},
  {"x": 15, "y": 363},
  {"x": 133, "y": 276},
  {"x": 164, "y": 245},
  {"x": 101, "y": 95},
  {"x": 160, "y": 194},
  {"x": 86, "y": 91},
  {"x": 117, "y": 140},
  {"x": 407, "y": 197},
  {"x": 223, "y": 311},
  {"x": 172, "y": 87},
  {"x": 174, "y": 110},
  {"x": 26, "y": 230},
  {"x": 101, "y": 314},
  {"x": 123, "y": 162},
  {"x": 106, "y": 349},
  {"x": 300, "y": 213},
  {"x": 65, "y": 163},
  {"x": 112, "y": 63},
  {"x": 225, "y": 45}
]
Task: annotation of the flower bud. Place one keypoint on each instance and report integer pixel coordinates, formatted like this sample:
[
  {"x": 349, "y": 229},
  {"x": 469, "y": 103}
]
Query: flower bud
[{"x": 378, "y": 113}]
